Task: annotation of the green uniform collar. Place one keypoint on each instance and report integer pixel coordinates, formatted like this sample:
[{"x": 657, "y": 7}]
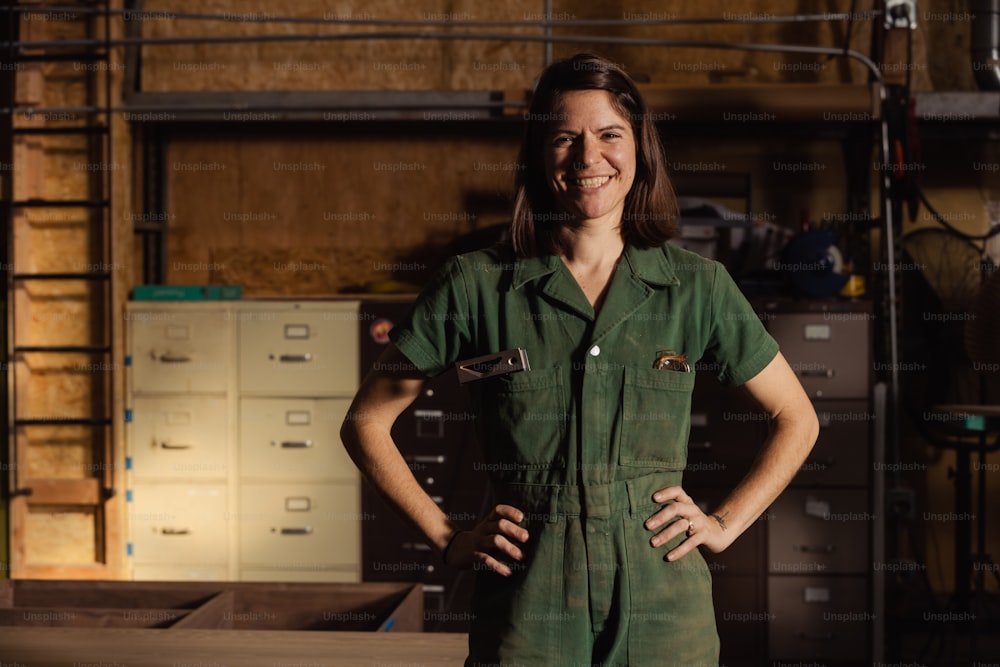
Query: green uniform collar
[{"x": 650, "y": 265}]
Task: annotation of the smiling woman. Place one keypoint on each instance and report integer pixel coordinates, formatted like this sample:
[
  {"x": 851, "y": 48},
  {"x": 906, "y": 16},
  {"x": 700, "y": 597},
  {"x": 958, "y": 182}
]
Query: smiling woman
[{"x": 590, "y": 554}]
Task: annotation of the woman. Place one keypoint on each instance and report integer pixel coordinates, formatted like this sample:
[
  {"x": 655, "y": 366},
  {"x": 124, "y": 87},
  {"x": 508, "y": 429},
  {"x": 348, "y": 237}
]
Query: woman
[{"x": 590, "y": 555}]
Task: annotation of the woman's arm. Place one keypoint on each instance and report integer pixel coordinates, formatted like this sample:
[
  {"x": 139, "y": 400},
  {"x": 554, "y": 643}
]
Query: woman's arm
[
  {"x": 384, "y": 394},
  {"x": 794, "y": 428}
]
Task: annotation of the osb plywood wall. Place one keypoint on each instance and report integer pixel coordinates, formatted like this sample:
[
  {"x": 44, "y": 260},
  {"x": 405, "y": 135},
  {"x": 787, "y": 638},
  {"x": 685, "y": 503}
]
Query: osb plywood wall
[
  {"x": 381, "y": 63},
  {"x": 315, "y": 212}
]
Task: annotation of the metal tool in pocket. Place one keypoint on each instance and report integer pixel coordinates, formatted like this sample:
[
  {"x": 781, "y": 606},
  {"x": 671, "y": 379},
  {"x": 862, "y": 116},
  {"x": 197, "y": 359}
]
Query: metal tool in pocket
[
  {"x": 668, "y": 360},
  {"x": 491, "y": 365}
]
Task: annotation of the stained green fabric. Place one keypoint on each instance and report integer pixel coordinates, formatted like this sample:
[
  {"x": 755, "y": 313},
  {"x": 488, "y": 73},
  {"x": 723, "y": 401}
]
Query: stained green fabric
[{"x": 582, "y": 440}]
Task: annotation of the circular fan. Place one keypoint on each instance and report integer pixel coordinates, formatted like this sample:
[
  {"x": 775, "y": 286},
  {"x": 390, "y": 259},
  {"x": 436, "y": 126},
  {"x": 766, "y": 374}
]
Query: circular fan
[{"x": 951, "y": 266}]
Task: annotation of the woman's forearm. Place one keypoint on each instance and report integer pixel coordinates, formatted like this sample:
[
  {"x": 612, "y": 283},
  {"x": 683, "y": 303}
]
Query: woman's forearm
[{"x": 372, "y": 449}]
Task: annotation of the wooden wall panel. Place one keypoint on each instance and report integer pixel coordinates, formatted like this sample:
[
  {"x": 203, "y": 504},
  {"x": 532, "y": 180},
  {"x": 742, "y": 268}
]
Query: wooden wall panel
[
  {"x": 60, "y": 312},
  {"x": 60, "y": 387},
  {"x": 331, "y": 65},
  {"x": 47, "y": 233},
  {"x": 60, "y": 536},
  {"x": 506, "y": 64},
  {"x": 314, "y": 213},
  {"x": 59, "y": 453}
]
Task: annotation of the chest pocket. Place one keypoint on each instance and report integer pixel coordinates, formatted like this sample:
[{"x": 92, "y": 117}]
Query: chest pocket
[
  {"x": 656, "y": 418},
  {"x": 524, "y": 419}
]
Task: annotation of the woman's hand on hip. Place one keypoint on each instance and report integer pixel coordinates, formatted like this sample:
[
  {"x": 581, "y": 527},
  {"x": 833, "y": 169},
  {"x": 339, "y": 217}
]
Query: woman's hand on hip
[
  {"x": 498, "y": 535},
  {"x": 683, "y": 517}
]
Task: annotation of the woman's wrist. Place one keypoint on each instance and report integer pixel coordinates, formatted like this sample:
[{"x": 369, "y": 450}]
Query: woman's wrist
[{"x": 447, "y": 547}]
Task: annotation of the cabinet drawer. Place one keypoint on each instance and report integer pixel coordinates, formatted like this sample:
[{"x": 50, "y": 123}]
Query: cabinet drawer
[
  {"x": 345, "y": 575},
  {"x": 824, "y": 618},
  {"x": 298, "y": 526},
  {"x": 178, "y": 523},
  {"x": 819, "y": 531},
  {"x": 300, "y": 353},
  {"x": 179, "y": 437},
  {"x": 143, "y": 572},
  {"x": 294, "y": 439},
  {"x": 840, "y": 456},
  {"x": 175, "y": 351},
  {"x": 827, "y": 351}
]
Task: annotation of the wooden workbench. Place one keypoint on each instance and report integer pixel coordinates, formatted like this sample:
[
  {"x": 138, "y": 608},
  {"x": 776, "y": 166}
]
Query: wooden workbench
[{"x": 117, "y": 647}]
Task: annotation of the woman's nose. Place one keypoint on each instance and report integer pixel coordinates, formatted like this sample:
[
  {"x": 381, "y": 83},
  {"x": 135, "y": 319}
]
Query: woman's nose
[{"x": 587, "y": 154}]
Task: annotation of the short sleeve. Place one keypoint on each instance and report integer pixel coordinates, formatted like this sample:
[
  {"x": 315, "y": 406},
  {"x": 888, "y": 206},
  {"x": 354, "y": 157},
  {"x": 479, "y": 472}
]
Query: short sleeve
[
  {"x": 738, "y": 341},
  {"x": 435, "y": 332}
]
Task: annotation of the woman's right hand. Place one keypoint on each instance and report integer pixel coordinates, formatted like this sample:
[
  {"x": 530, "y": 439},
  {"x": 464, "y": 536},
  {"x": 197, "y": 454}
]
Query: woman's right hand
[{"x": 498, "y": 534}]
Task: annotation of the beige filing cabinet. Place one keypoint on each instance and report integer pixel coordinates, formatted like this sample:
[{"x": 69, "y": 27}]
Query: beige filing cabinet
[{"x": 235, "y": 466}]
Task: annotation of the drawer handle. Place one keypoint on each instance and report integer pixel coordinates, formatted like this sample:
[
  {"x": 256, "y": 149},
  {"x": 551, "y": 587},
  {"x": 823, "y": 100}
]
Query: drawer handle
[
  {"x": 167, "y": 445},
  {"x": 174, "y": 358},
  {"x": 818, "y": 548},
  {"x": 295, "y": 358},
  {"x": 295, "y": 444},
  {"x": 817, "y": 373},
  {"x": 428, "y": 459},
  {"x": 828, "y": 637},
  {"x": 305, "y": 530},
  {"x": 175, "y": 531},
  {"x": 705, "y": 444}
]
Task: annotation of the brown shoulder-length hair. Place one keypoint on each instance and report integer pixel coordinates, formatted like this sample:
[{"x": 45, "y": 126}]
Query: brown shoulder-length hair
[{"x": 650, "y": 216}]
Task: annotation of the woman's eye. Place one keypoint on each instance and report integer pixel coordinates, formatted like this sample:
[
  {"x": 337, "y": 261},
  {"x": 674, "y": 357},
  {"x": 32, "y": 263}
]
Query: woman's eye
[
  {"x": 562, "y": 141},
  {"x": 612, "y": 135}
]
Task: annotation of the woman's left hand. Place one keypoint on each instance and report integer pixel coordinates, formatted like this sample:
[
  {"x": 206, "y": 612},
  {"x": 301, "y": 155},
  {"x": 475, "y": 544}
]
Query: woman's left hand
[{"x": 683, "y": 516}]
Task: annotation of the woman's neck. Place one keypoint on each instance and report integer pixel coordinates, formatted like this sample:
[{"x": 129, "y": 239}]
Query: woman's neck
[{"x": 590, "y": 248}]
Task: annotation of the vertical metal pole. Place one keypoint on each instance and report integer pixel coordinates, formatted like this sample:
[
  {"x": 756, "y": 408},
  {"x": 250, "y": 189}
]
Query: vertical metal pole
[
  {"x": 890, "y": 243},
  {"x": 548, "y": 32},
  {"x": 108, "y": 224},
  {"x": 9, "y": 256}
]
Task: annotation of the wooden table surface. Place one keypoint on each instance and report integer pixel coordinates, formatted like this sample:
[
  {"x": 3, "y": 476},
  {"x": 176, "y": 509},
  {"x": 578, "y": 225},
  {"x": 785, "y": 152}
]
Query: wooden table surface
[{"x": 113, "y": 647}]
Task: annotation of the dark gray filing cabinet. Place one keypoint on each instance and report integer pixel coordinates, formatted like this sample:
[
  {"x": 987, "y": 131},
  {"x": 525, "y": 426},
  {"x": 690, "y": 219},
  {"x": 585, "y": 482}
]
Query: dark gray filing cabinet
[
  {"x": 820, "y": 593},
  {"x": 798, "y": 585}
]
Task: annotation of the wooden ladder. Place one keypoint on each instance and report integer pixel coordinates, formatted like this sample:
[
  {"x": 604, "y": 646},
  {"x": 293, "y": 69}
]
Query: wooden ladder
[{"x": 58, "y": 269}]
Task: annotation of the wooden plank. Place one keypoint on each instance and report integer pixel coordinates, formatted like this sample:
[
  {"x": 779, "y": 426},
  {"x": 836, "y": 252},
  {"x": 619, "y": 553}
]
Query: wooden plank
[
  {"x": 786, "y": 102},
  {"x": 215, "y": 614},
  {"x": 71, "y": 617},
  {"x": 87, "y": 572},
  {"x": 296, "y": 602},
  {"x": 113, "y": 594},
  {"x": 63, "y": 491},
  {"x": 57, "y": 647}
]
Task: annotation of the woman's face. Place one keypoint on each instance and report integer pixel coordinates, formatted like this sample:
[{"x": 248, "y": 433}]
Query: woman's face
[{"x": 590, "y": 157}]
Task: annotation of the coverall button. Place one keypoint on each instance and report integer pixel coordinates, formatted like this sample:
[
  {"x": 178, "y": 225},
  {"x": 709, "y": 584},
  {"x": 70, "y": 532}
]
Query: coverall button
[{"x": 594, "y": 351}]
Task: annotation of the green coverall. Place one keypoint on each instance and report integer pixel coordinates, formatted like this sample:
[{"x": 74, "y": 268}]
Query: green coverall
[{"x": 582, "y": 440}]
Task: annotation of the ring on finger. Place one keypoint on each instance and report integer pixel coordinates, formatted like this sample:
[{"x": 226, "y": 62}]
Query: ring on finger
[{"x": 690, "y": 528}]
